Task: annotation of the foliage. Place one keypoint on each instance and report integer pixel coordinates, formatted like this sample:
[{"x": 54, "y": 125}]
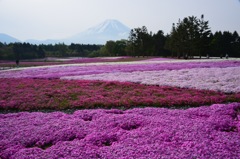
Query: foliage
[
  {"x": 189, "y": 37},
  {"x": 114, "y": 48},
  {"x": 223, "y": 43},
  {"x": 22, "y": 51}
]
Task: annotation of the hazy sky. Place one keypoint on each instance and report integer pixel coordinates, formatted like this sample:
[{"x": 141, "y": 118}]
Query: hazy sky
[{"x": 53, "y": 19}]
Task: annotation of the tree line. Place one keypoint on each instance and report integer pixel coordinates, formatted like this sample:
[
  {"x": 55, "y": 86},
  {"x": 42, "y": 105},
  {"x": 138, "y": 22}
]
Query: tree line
[
  {"x": 20, "y": 51},
  {"x": 189, "y": 37}
]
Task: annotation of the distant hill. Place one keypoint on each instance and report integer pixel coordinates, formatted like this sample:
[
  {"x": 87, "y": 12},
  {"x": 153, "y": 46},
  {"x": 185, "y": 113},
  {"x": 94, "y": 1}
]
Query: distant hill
[
  {"x": 99, "y": 34},
  {"x": 4, "y": 38},
  {"x": 46, "y": 42}
]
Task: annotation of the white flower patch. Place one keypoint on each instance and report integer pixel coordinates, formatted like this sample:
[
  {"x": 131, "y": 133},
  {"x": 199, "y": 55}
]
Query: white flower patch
[{"x": 218, "y": 79}]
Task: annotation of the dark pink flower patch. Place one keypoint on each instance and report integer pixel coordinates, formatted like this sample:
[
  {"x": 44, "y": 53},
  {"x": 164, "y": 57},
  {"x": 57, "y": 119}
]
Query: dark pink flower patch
[
  {"x": 55, "y": 94},
  {"x": 204, "y": 132}
]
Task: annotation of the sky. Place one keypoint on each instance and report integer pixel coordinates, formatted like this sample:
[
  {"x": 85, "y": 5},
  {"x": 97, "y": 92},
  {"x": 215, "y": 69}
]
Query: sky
[{"x": 58, "y": 19}]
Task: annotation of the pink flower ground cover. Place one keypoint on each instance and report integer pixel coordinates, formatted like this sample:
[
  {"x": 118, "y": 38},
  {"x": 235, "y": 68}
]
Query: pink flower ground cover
[
  {"x": 204, "y": 132},
  {"x": 70, "y": 70},
  {"x": 56, "y": 94},
  {"x": 217, "y": 79}
]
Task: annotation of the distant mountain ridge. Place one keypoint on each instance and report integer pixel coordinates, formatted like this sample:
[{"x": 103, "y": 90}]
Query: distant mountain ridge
[
  {"x": 4, "y": 38},
  {"x": 46, "y": 42},
  {"x": 108, "y": 30}
]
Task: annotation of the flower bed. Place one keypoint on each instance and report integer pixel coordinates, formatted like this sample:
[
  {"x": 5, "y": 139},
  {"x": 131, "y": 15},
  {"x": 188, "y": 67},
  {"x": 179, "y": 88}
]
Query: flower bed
[
  {"x": 38, "y": 94},
  {"x": 58, "y": 61},
  {"x": 217, "y": 79},
  {"x": 97, "y": 68},
  {"x": 205, "y": 132}
]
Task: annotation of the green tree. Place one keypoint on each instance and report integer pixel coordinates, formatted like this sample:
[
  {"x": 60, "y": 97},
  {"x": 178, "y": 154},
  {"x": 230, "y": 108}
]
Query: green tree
[
  {"x": 159, "y": 41},
  {"x": 139, "y": 40},
  {"x": 203, "y": 41},
  {"x": 110, "y": 48},
  {"x": 189, "y": 37},
  {"x": 224, "y": 43},
  {"x": 235, "y": 45},
  {"x": 17, "y": 49},
  {"x": 61, "y": 49},
  {"x": 120, "y": 47},
  {"x": 41, "y": 52}
]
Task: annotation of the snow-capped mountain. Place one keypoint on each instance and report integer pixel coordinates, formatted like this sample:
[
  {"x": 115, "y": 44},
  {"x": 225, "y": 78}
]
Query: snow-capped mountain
[
  {"x": 111, "y": 27},
  {"x": 99, "y": 34}
]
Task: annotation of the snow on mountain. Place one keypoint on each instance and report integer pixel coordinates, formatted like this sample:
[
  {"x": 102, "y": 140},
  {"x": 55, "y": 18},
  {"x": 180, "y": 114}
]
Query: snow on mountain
[
  {"x": 109, "y": 26},
  {"x": 108, "y": 30},
  {"x": 99, "y": 34}
]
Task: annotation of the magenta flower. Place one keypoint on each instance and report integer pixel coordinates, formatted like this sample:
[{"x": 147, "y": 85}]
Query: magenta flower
[
  {"x": 55, "y": 94},
  {"x": 204, "y": 132}
]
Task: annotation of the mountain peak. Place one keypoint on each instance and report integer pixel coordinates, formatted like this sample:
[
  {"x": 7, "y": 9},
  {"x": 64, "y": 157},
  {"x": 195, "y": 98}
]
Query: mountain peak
[
  {"x": 110, "y": 29},
  {"x": 111, "y": 21},
  {"x": 110, "y": 26}
]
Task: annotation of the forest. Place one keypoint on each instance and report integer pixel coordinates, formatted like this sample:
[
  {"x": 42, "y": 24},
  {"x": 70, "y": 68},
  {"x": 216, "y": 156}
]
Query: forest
[{"x": 189, "y": 37}]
